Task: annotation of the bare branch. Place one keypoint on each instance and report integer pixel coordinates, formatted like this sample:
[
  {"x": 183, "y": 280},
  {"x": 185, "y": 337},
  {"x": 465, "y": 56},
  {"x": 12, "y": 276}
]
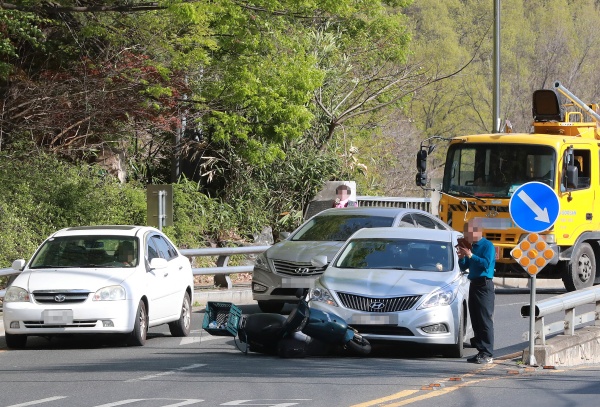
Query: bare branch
[{"x": 55, "y": 8}]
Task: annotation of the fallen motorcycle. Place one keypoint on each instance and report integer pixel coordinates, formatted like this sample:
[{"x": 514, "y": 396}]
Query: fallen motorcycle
[{"x": 304, "y": 332}]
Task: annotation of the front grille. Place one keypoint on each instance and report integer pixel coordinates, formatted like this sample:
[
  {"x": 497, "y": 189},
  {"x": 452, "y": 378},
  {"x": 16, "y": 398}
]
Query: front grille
[
  {"x": 383, "y": 330},
  {"x": 394, "y": 304},
  {"x": 291, "y": 268},
  {"x": 285, "y": 291},
  {"x": 85, "y": 323},
  {"x": 501, "y": 237},
  {"x": 60, "y": 296}
]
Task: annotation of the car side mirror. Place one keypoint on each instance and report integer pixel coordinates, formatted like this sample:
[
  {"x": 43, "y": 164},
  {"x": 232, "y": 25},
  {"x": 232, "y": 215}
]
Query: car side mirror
[
  {"x": 158, "y": 263},
  {"x": 284, "y": 235},
  {"x": 319, "y": 261},
  {"x": 18, "y": 265}
]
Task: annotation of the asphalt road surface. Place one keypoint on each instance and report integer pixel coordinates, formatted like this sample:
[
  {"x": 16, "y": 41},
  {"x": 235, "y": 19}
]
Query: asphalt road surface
[{"x": 205, "y": 370}]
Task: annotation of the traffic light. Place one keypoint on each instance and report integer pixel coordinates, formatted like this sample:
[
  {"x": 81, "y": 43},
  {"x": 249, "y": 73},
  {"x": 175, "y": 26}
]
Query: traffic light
[
  {"x": 422, "y": 160},
  {"x": 421, "y": 178}
]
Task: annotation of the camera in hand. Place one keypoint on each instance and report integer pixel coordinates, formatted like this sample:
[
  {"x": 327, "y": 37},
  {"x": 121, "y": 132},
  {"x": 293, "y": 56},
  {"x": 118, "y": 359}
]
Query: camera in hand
[{"x": 462, "y": 242}]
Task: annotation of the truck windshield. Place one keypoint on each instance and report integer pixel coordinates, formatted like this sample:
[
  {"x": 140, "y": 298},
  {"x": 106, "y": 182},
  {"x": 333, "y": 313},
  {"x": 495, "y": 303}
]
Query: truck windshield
[{"x": 496, "y": 170}]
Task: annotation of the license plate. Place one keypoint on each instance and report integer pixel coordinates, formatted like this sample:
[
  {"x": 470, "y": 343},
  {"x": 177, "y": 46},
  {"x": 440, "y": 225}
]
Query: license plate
[
  {"x": 57, "y": 316},
  {"x": 301, "y": 282},
  {"x": 374, "y": 319}
]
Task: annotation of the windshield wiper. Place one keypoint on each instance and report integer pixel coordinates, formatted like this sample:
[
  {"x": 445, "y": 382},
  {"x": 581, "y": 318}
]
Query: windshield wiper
[{"x": 450, "y": 192}]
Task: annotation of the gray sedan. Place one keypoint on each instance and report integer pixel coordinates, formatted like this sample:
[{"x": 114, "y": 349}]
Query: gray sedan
[
  {"x": 399, "y": 285},
  {"x": 286, "y": 267}
]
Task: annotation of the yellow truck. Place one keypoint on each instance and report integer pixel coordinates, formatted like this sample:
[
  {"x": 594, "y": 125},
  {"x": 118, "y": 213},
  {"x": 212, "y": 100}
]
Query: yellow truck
[{"x": 481, "y": 173}]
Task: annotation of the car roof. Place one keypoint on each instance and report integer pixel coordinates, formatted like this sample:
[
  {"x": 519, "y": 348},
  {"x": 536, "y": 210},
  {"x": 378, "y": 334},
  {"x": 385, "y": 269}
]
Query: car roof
[
  {"x": 113, "y": 230},
  {"x": 398, "y": 233},
  {"x": 371, "y": 210}
]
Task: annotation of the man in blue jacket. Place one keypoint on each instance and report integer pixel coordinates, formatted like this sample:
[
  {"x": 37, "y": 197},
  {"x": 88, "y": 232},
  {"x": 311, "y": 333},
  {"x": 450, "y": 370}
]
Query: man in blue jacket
[{"x": 477, "y": 254}]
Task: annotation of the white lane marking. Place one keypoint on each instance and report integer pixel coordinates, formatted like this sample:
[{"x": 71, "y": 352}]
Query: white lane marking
[
  {"x": 33, "y": 403},
  {"x": 198, "y": 339},
  {"x": 120, "y": 403},
  {"x": 166, "y": 373},
  {"x": 184, "y": 402},
  {"x": 246, "y": 402}
]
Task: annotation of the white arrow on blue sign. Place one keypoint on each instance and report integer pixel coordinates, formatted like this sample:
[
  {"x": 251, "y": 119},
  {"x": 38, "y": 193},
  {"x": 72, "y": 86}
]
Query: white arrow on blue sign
[{"x": 534, "y": 207}]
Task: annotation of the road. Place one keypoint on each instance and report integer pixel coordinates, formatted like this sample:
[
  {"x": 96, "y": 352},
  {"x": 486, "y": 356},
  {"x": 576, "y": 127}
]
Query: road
[{"x": 205, "y": 370}]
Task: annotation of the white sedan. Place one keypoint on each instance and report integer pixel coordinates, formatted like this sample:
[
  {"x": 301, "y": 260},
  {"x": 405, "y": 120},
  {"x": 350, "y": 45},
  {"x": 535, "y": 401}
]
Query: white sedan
[
  {"x": 399, "y": 284},
  {"x": 100, "y": 279}
]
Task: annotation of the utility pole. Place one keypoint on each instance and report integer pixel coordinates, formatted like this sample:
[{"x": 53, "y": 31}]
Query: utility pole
[{"x": 496, "y": 85}]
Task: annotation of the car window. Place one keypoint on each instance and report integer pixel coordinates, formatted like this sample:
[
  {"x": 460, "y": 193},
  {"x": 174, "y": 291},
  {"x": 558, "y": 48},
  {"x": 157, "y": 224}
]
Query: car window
[
  {"x": 152, "y": 251},
  {"x": 409, "y": 254},
  {"x": 426, "y": 222},
  {"x": 87, "y": 252},
  {"x": 161, "y": 247},
  {"x": 338, "y": 227},
  {"x": 407, "y": 220}
]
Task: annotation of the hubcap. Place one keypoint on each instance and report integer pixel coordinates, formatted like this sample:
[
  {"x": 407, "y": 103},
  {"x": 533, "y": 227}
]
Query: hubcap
[
  {"x": 143, "y": 323},
  {"x": 585, "y": 268},
  {"x": 185, "y": 312}
]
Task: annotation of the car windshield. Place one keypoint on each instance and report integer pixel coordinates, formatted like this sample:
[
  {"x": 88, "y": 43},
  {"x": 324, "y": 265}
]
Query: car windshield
[
  {"x": 401, "y": 254},
  {"x": 496, "y": 170},
  {"x": 87, "y": 251},
  {"x": 338, "y": 227}
]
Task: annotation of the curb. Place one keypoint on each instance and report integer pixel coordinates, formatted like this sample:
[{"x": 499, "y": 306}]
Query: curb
[{"x": 236, "y": 296}]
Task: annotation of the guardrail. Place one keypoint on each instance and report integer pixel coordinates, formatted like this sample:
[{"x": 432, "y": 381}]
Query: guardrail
[
  {"x": 394, "y": 202},
  {"x": 221, "y": 272},
  {"x": 567, "y": 303}
]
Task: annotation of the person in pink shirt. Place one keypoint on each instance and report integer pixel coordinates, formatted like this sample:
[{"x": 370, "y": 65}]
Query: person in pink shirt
[{"x": 342, "y": 199}]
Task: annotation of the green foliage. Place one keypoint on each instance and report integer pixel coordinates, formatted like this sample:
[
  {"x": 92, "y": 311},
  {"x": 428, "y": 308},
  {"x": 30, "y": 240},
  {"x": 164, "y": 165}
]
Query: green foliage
[
  {"x": 16, "y": 30},
  {"x": 40, "y": 194},
  {"x": 277, "y": 194},
  {"x": 541, "y": 41}
]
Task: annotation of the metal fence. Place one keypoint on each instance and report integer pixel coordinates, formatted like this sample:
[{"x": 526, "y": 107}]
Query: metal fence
[
  {"x": 394, "y": 202},
  {"x": 223, "y": 270},
  {"x": 563, "y": 303}
]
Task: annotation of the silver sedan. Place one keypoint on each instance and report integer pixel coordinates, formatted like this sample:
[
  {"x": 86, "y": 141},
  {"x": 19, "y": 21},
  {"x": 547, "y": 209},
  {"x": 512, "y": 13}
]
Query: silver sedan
[{"x": 399, "y": 284}]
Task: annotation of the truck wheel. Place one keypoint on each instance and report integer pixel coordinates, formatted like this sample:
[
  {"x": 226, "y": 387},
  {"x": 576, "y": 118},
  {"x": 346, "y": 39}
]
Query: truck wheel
[{"x": 580, "y": 271}]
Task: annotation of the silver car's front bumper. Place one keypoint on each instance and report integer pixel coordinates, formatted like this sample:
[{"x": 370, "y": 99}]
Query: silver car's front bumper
[
  {"x": 268, "y": 286},
  {"x": 404, "y": 326}
]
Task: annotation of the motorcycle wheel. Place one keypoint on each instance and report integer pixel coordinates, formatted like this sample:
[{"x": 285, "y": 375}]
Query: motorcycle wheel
[{"x": 359, "y": 345}]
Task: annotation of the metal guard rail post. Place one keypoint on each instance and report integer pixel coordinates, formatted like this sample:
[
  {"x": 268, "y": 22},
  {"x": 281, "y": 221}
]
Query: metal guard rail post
[
  {"x": 567, "y": 303},
  {"x": 221, "y": 272}
]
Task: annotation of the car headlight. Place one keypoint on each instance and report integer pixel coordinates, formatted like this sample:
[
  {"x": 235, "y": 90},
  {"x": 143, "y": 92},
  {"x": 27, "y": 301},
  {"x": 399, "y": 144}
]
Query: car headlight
[
  {"x": 262, "y": 263},
  {"x": 16, "y": 294},
  {"x": 111, "y": 293},
  {"x": 320, "y": 294},
  {"x": 441, "y": 297}
]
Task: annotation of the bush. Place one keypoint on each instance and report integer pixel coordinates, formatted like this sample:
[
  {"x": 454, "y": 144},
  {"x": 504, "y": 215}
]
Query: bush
[{"x": 41, "y": 194}]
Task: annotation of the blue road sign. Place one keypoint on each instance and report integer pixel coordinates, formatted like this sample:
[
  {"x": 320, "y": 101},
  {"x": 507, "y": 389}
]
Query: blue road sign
[{"x": 534, "y": 207}]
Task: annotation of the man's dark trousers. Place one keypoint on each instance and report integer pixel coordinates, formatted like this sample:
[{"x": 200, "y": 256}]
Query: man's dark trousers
[{"x": 481, "y": 309}]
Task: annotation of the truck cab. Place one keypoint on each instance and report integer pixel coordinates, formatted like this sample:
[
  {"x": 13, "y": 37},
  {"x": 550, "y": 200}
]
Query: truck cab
[{"x": 481, "y": 173}]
